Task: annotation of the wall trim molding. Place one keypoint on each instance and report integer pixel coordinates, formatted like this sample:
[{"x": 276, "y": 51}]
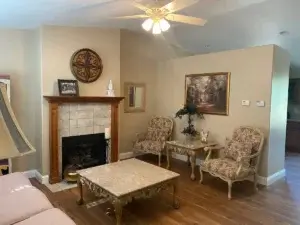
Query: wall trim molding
[
  {"x": 30, "y": 173},
  {"x": 266, "y": 181},
  {"x": 276, "y": 176},
  {"x": 128, "y": 155},
  {"x": 43, "y": 179}
]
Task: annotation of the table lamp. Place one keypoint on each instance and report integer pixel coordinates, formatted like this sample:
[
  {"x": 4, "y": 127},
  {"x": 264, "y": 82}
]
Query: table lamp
[{"x": 13, "y": 141}]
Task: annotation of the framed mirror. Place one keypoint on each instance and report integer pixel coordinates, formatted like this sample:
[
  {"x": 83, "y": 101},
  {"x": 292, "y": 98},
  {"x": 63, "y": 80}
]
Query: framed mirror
[{"x": 135, "y": 97}]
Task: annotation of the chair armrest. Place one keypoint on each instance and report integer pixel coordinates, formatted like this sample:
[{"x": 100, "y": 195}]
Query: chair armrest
[
  {"x": 243, "y": 158},
  {"x": 210, "y": 149},
  {"x": 140, "y": 136},
  {"x": 213, "y": 148},
  {"x": 240, "y": 160}
]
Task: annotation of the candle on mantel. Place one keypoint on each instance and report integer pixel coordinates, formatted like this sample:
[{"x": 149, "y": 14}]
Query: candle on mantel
[{"x": 107, "y": 133}]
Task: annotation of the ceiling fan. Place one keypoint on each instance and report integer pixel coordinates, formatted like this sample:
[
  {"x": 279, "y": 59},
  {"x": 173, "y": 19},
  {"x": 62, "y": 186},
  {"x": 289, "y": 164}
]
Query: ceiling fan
[{"x": 158, "y": 16}]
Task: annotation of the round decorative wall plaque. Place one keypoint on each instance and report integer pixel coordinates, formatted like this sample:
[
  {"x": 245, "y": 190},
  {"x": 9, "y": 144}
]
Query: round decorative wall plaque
[{"x": 86, "y": 65}]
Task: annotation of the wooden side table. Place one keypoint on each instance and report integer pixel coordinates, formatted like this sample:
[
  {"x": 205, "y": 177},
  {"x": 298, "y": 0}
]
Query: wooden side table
[{"x": 189, "y": 148}]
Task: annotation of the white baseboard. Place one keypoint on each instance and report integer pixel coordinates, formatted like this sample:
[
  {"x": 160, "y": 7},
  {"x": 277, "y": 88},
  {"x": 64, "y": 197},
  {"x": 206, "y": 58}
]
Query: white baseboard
[
  {"x": 266, "y": 181},
  {"x": 30, "y": 173},
  {"x": 276, "y": 176},
  {"x": 43, "y": 179},
  {"x": 128, "y": 155}
]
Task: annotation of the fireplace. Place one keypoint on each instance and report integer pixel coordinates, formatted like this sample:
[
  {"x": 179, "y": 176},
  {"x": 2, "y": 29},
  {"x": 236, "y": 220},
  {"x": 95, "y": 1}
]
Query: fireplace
[
  {"x": 62, "y": 124},
  {"x": 80, "y": 152}
]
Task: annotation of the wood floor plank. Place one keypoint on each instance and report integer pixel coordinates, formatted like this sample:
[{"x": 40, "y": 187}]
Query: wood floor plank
[{"x": 205, "y": 204}]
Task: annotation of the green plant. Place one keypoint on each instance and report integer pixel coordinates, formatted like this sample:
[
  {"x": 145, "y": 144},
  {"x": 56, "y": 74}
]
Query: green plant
[{"x": 190, "y": 110}]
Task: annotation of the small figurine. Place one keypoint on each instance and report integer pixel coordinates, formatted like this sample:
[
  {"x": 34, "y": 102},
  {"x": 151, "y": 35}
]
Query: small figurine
[
  {"x": 204, "y": 136},
  {"x": 110, "y": 91}
]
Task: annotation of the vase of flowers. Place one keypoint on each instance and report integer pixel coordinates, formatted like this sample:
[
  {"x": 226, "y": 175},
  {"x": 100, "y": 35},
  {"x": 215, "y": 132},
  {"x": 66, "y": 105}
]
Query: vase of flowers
[{"x": 191, "y": 111}]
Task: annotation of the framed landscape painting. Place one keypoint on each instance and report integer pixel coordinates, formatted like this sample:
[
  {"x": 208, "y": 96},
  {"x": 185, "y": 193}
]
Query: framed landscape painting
[{"x": 209, "y": 92}]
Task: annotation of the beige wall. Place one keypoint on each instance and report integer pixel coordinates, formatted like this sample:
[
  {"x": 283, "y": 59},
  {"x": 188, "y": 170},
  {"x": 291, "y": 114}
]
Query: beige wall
[
  {"x": 58, "y": 45},
  {"x": 139, "y": 65},
  {"x": 140, "y": 57},
  {"x": 279, "y": 101},
  {"x": 36, "y": 59},
  {"x": 32, "y": 106},
  {"x": 251, "y": 75},
  {"x": 18, "y": 60}
]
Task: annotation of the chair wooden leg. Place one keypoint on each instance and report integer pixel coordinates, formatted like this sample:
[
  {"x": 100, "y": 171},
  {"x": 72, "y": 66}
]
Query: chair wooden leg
[
  {"x": 229, "y": 189},
  {"x": 201, "y": 175},
  {"x": 188, "y": 160},
  {"x": 159, "y": 159}
]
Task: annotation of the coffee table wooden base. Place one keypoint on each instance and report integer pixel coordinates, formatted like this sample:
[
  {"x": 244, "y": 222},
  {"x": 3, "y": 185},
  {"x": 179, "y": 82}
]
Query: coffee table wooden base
[{"x": 119, "y": 202}]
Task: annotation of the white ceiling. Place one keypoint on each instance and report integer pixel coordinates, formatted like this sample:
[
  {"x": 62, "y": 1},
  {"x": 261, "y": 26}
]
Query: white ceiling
[{"x": 231, "y": 24}]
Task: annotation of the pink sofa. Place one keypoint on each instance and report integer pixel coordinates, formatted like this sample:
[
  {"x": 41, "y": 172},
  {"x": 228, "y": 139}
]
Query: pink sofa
[{"x": 23, "y": 204}]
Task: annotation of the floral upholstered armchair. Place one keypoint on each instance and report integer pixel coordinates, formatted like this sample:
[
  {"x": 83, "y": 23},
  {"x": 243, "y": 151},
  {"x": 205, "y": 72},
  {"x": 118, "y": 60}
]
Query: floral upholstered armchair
[
  {"x": 240, "y": 158},
  {"x": 159, "y": 131}
]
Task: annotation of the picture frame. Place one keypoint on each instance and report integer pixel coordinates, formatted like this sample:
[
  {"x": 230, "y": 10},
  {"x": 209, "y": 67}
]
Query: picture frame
[
  {"x": 209, "y": 92},
  {"x": 68, "y": 87},
  {"x": 135, "y": 97}
]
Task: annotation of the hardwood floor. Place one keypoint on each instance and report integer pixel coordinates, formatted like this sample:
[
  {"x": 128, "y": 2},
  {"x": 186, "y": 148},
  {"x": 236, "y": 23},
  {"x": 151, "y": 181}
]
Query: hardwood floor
[{"x": 200, "y": 204}]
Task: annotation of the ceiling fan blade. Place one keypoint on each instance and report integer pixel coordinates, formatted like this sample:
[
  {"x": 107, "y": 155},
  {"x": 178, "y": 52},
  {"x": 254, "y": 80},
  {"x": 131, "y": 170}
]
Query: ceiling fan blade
[
  {"x": 186, "y": 19},
  {"x": 139, "y": 6},
  {"x": 177, "y": 5},
  {"x": 132, "y": 17}
]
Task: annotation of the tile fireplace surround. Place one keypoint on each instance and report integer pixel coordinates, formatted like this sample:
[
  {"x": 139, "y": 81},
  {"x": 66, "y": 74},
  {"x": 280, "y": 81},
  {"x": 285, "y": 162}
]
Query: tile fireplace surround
[
  {"x": 81, "y": 119},
  {"x": 74, "y": 116}
]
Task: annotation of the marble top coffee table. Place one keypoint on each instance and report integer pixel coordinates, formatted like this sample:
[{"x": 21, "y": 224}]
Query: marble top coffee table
[{"x": 123, "y": 181}]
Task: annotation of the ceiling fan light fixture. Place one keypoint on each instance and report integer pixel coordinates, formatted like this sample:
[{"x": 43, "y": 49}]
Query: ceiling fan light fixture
[
  {"x": 164, "y": 25},
  {"x": 156, "y": 28},
  {"x": 147, "y": 24}
]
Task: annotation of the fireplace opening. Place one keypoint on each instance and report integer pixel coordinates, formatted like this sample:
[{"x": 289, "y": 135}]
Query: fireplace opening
[{"x": 80, "y": 152}]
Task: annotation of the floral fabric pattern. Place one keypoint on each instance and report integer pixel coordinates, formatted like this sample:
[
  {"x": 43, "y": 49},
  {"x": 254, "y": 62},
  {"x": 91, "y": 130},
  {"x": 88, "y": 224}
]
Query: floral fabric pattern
[
  {"x": 245, "y": 141},
  {"x": 157, "y": 134},
  {"x": 161, "y": 122},
  {"x": 227, "y": 168},
  {"x": 235, "y": 150},
  {"x": 232, "y": 167},
  {"x": 159, "y": 131},
  {"x": 149, "y": 146},
  {"x": 248, "y": 135}
]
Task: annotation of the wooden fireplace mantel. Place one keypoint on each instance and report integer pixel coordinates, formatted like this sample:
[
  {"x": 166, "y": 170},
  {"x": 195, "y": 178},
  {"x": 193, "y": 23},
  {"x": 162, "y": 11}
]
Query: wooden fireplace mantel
[
  {"x": 83, "y": 99},
  {"x": 54, "y": 102}
]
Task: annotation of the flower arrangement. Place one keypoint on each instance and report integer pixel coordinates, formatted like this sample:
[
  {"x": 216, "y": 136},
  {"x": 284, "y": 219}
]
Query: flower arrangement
[{"x": 190, "y": 110}]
